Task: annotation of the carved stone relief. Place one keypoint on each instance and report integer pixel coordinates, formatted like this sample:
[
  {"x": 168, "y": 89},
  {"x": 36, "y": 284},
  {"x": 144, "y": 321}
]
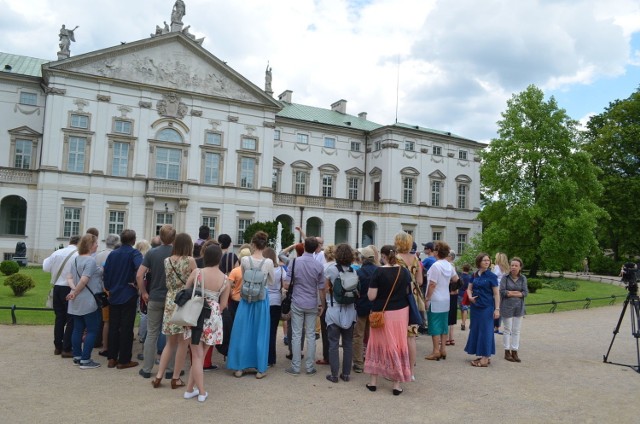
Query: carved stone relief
[
  {"x": 144, "y": 105},
  {"x": 103, "y": 98},
  {"x": 54, "y": 90},
  {"x": 124, "y": 110},
  {"x": 197, "y": 113},
  {"x": 232, "y": 118},
  {"x": 81, "y": 104},
  {"x": 171, "y": 106}
]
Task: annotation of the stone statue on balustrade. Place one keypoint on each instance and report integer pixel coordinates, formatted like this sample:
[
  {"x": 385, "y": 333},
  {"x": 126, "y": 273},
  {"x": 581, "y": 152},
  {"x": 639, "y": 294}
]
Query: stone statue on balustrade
[{"x": 66, "y": 37}]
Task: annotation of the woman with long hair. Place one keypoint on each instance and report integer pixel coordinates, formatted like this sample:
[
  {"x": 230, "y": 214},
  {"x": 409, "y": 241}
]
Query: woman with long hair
[
  {"x": 280, "y": 281},
  {"x": 178, "y": 268},
  {"x": 387, "y": 348},
  {"x": 513, "y": 290},
  {"x": 249, "y": 344},
  {"x": 208, "y": 332},
  {"x": 500, "y": 268},
  {"x": 484, "y": 296}
]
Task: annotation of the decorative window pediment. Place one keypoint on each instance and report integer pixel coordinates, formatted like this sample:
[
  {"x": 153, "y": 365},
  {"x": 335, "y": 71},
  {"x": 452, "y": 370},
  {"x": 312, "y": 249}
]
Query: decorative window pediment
[
  {"x": 409, "y": 171},
  {"x": 301, "y": 164},
  {"x": 463, "y": 179},
  {"x": 437, "y": 175},
  {"x": 328, "y": 168}
]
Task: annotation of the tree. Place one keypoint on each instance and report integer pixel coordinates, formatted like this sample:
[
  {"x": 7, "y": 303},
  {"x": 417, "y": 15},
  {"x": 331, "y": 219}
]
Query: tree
[
  {"x": 613, "y": 140},
  {"x": 271, "y": 228},
  {"x": 539, "y": 185}
]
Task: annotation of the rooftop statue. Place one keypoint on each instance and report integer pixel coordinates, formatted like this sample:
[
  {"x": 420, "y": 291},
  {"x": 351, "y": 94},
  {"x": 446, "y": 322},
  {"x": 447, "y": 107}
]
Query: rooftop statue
[
  {"x": 66, "y": 37},
  {"x": 179, "y": 10}
]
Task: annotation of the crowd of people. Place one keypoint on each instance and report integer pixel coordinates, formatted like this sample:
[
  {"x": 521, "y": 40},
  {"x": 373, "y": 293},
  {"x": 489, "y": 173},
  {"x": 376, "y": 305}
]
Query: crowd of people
[{"x": 357, "y": 300}]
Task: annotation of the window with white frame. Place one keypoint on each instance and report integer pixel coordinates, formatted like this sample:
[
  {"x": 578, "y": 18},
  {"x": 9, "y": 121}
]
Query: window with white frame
[
  {"x": 79, "y": 121},
  {"x": 436, "y": 235},
  {"x": 116, "y": 222},
  {"x": 27, "y": 98},
  {"x": 76, "y": 153},
  {"x": 327, "y": 185},
  {"x": 168, "y": 163},
  {"x": 462, "y": 243},
  {"x": 330, "y": 142},
  {"x": 275, "y": 179},
  {"x": 276, "y": 134},
  {"x": 211, "y": 168},
  {"x": 122, "y": 126},
  {"x": 71, "y": 221},
  {"x": 163, "y": 218},
  {"x": 301, "y": 182},
  {"x": 353, "y": 187},
  {"x": 120, "y": 161},
  {"x": 436, "y": 188},
  {"x": 377, "y": 145},
  {"x": 462, "y": 196},
  {"x": 23, "y": 154},
  {"x": 247, "y": 172},
  {"x": 462, "y": 154},
  {"x": 409, "y": 146},
  {"x": 408, "y": 186},
  {"x": 355, "y": 146},
  {"x": 249, "y": 143},
  {"x": 213, "y": 138},
  {"x": 437, "y": 151},
  {"x": 303, "y": 138},
  {"x": 170, "y": 135},
  {"x": 243, "y": 223},
  {"x": 210, "y": 221}
]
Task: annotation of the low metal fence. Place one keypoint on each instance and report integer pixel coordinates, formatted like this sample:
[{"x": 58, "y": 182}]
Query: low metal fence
[
  {"x": 587, "y": 302},
  {"x": 14, "y": 308}
]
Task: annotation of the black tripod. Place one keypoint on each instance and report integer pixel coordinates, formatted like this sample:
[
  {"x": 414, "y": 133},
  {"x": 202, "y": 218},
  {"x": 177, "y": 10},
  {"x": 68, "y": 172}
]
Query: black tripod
[{"x": 632, "y": 298}]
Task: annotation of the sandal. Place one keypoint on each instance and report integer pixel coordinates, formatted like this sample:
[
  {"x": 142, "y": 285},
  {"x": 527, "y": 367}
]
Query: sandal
[
  {"x": 452, "y": 342},
  {"x": 177, "y": 382},
  {"x": 477, "y": 363}
]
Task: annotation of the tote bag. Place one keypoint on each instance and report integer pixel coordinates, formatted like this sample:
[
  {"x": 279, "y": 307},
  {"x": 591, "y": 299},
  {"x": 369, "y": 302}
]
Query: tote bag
[{"x": 187, "y": 314}]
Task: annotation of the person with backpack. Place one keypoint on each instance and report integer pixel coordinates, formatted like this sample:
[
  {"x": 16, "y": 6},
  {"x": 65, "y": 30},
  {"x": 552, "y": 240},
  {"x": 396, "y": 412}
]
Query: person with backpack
[
  {"x": 340, "y": 314},
  {"x": 249, "y": 344},
  {"x": 363, "y": 305}
]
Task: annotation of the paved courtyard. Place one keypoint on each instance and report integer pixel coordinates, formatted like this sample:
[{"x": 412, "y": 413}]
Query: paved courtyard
[{"x": 562, "y": 379}]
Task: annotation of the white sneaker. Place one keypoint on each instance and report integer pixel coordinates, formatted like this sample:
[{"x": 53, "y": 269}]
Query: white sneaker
[
  {"x": 202, "y": 398},
  {"x": 191, "y": 395}
]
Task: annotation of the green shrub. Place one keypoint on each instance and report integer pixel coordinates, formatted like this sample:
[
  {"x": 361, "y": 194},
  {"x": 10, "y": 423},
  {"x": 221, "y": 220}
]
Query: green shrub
[
  {"x": 563, "y": 285},
  {"x": 533, "y": 284},
  {"x": 604, "y": 265},
  {"x": 19, "y": 283},
  {"x": 9, "y": 267}
]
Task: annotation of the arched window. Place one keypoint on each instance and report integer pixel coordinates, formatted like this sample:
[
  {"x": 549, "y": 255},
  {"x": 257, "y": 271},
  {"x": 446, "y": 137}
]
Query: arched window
[
  {"x": 13, "y": 215},
  {"x": 169, "y": 134}
]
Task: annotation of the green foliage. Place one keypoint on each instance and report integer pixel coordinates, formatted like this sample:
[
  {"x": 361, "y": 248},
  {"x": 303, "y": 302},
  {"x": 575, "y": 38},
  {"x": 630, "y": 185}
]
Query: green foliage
[
  {"x": 533, "y": 284},
  {"x": 271, "y": 228},
  {"x": 9, "y": 267},
  {"x": 563, "y": 285},
  {"x": 586, "y": 289},
  {"x": 19, "y": 283},
  {"x": 540, "y": 187},
  {"x": 604, "y": 265},
  {"x": 613, "y": 140}
]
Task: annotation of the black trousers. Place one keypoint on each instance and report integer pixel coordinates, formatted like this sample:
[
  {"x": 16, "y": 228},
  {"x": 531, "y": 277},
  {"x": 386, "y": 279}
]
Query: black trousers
[
  {"x": 63, "y": 327},
  {"x": 275, "y": 312},
  {"x": 121, "y": 320}
]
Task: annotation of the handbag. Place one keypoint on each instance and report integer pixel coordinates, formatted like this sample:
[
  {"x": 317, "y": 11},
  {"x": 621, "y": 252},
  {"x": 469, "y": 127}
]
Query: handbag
[
  {"x": 376, "y": 319},
  {"x": 102, "y": 299},
  {"x": 286, "y": 302},
  {"x": 187, "y": 314},
  {"x": 465, "y": 299},
  {"x": 415, "y": 316}
]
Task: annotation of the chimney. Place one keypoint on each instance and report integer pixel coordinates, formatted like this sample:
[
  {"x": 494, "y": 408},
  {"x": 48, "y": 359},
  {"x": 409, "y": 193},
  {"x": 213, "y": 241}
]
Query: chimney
[
  {"x": 340, "y": 106},
  {"x": 362, "y": 115},
  {"x": 285, "y": 96}
]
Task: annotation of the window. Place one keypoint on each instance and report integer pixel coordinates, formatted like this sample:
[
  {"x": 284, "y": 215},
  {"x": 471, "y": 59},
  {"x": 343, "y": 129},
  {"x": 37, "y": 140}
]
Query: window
[
  {"x": 76, "y": 156},
  {"x": 355, "y": 146},
  {"x": 163, "y": 218},
  {"x": 242, "y": 225},
  {"x": 275, "y": 180},
  {"x": 301, "y": 180},
  {"x": 13, "y": 215},
  {"x": 409, "y": 146},
  {"x": 247, "y": 172},
  {"x": 213, "y": 138},
  {"x": 436, "y": 235},
  {"x": 116, "y": 222},
  {"x": 327, "y": 185},
  {"x": 462, "y": 154},
  {"x": 210, "y": 221},
  {"x": 330, "y": 142},
  {"x": 436, "y": 186},
  {"x": 122, "y": 127},
  {"x": 462, "y": 196},
  {"x": 276, "y": 134},
  {"x": 79, "y": 121},
  {"x": 354, "y": 185},
  {"x": 171, "y": 135},
  {"x": 212, "y": 168},
  {"x": 248, "y": 143},
  {"x": 437, "y": 151},
  {"x": 24, "y": 151},
  {"x": 27, "y": 98},
  {"x": 71, "y": 223},
  {"x": 120, "y": 161},
  {"x": 168, "y": 163},
  {"x": 303, "y": 138},
  {"x": 407, "y": 189},
  {"x": 377, "y": 145},
  {"x": 462, "y": 242}
]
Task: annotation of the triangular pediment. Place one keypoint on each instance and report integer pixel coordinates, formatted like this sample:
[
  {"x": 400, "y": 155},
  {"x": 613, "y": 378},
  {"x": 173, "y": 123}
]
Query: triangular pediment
[
  {"x": 171, "y": 61},
  {"x": 24, "y": 131}
]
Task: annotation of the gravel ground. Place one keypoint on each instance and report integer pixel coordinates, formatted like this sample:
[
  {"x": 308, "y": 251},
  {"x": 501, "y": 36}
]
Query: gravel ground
[{"x": 562, "y": 378}]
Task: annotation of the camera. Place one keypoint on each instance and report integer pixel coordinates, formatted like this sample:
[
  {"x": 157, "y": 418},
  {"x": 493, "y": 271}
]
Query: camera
[{"x": 630, "y": 277}]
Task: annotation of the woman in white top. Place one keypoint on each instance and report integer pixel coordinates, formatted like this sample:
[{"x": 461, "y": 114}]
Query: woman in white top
[
  {"x": 274, "y": 290},
  {"x": 501, "y": 268}
]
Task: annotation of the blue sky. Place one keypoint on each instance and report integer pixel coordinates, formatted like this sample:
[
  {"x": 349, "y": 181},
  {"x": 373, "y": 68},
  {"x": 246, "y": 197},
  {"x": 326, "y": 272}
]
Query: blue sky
[{"x": 459, "y": 60}]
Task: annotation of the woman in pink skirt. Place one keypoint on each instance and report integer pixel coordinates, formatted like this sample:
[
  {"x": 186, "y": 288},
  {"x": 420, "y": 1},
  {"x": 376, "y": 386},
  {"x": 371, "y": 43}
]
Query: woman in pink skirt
[{"x": 387, "y": 349}]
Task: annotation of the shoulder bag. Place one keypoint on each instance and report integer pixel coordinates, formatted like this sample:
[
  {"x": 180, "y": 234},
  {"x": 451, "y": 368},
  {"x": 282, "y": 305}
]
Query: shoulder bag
[
  {"x": 49, "y": 303},
  {"x": 376, "y": 319},
  {"x": 102, "y": 299},
  {"x": 187, "y": 314}
]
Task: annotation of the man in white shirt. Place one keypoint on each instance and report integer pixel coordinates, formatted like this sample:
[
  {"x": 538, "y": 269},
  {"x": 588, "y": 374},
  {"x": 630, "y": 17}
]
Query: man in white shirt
[{"x": 59, "y": 265}]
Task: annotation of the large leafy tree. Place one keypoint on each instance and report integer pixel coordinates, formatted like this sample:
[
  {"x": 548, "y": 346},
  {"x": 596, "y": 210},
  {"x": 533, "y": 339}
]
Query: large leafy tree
[
  {"x": 271, "y": 228},
  {"x": 539, "y": 185},
  {"x": 613, "y": 140}
]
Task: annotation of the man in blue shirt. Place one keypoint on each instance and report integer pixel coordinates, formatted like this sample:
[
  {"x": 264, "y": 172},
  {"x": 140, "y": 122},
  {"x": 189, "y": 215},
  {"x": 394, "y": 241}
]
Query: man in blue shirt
[{"x": 119, "y": 276}]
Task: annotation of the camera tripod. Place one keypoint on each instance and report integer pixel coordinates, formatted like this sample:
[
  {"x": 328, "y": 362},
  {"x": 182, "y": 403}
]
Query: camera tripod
[{"x": 634, "y": 300}]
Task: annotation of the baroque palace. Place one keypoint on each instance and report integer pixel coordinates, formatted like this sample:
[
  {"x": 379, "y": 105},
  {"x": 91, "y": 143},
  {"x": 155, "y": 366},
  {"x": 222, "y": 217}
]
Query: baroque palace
[{"x": 162, "y": 131}]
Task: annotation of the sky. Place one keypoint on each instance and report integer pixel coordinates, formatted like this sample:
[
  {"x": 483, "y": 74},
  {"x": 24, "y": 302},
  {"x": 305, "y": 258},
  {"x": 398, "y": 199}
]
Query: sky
[{"x": 450, "y": 65}]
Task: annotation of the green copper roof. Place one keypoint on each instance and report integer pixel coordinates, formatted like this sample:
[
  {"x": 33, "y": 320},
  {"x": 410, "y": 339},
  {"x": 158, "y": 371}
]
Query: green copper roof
[
  {"x": 423, "y": 129},
  {"x": 325, "y": 116},
  {"x": 21, "y": 65}
]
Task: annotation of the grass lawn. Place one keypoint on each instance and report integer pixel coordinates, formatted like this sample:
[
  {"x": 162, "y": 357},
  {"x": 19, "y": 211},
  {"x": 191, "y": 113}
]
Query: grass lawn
[
  {"x": 34, "y": 298},
  {"x": 586, "y": 289}
]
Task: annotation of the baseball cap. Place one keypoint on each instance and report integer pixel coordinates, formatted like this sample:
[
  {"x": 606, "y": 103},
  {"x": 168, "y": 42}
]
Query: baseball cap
[
  {"x": 414, "y": 247},
  {"x": 429, "y": 245},
  {"x": 367, "y": 252}
]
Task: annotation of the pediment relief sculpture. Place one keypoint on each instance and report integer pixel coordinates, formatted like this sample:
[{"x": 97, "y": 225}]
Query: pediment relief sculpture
[{"x": 171, "y": 106}]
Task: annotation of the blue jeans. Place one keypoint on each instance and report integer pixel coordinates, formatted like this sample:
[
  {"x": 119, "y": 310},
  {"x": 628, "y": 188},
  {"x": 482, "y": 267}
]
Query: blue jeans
[
  {"x": 307, "y": 318},
  {"x": 90, "y": 322}
]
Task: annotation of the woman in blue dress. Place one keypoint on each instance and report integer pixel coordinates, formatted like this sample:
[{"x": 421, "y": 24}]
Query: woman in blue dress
[
  {"x": 484, "y": 295},
  {"x": 249, "y": 344}
]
